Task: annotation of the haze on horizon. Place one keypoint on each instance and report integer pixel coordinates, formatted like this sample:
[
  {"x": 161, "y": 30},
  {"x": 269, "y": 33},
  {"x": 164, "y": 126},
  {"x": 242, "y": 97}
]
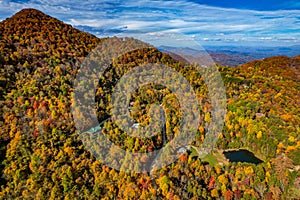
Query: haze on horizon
[{"x": 216, "y": 22}]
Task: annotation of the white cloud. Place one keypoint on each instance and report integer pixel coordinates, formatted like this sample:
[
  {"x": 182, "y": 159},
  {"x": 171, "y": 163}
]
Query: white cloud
[{"x": 266, "y": 38}]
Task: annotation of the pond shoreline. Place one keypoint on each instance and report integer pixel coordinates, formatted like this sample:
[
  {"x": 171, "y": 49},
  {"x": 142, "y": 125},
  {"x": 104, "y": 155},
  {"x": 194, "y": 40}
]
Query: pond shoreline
[
  {"x": 242, "y": 155},
  {"x": 221, "y": 159},
  {"x": 245, "y": 149}
]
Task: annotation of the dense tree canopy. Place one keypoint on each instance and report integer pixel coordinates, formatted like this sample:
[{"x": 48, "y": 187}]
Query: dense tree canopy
[{"x": 42, "y": 156}]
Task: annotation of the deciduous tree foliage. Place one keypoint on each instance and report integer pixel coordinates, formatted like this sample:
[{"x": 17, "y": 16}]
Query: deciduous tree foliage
[{"x": 42, "y": 157}]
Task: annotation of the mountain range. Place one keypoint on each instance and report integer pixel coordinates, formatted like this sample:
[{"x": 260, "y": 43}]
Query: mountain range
[
  {"x": 44, "y": 156},
  {"x": 233, "y": 56}
]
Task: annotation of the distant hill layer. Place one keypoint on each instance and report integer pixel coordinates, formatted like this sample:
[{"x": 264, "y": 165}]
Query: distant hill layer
[{"x": 234, "y": 56}]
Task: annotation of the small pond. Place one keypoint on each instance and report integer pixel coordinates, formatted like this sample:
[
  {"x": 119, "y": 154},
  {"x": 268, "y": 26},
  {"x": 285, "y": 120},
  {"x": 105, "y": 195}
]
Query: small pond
[{"x": 242, "y": 156}]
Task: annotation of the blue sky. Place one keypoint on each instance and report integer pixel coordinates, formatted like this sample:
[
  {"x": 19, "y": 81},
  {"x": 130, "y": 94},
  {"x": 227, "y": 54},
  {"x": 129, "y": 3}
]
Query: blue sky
[
  {"x": 259, "y": 5},
  {"x": 163, "y": 22}
]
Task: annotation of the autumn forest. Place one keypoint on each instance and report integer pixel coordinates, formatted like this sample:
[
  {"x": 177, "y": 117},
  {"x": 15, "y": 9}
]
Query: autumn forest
[{"x": 42, "y": 153}]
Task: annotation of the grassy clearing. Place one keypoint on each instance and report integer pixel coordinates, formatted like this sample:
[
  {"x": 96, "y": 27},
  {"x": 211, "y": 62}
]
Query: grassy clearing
[{"x": 211, "y": 159}]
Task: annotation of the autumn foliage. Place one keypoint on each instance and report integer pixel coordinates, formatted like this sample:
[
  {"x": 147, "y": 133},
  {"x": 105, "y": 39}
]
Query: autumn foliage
[{"x": 42, "y": 156}]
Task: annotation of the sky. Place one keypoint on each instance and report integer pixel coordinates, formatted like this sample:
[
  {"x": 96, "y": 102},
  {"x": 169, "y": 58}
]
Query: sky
[{"x": 178, "y": 22}]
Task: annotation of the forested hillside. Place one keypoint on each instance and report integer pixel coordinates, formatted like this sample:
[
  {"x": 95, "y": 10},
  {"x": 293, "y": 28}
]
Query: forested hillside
[{"x": 42, "y": 156}]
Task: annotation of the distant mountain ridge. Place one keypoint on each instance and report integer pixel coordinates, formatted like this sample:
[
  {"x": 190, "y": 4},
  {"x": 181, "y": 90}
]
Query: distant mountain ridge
[{"x": 234, "y": 56}]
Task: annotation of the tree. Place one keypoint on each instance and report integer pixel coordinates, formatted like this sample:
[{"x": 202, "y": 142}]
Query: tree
[
  {"x": 215, "y": 193},
  {"x": 228, "y": 195},
  {"x": 223, "y": 179}
]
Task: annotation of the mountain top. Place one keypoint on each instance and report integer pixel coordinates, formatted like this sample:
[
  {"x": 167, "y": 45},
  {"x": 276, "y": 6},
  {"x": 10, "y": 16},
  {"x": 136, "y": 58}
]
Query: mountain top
[
  {"x": 32, "y": 32},
  {"x": 31, "y": 13},
  {"x": 28, "y": 16}
]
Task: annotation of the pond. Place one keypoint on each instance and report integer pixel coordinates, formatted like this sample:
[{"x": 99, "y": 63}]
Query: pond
[{"x": 242, "y": 156}]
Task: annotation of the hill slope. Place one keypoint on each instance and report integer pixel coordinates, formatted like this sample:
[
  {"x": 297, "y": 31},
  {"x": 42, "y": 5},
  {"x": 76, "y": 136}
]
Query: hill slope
[{"x": 43, "y": 158}]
